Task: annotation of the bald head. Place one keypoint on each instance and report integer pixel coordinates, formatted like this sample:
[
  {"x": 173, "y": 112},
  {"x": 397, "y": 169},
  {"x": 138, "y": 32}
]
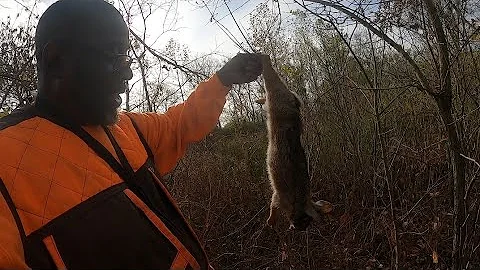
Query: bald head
[
  {"x": 85, "y": 21},
  {"x": 82, "y": 60}
]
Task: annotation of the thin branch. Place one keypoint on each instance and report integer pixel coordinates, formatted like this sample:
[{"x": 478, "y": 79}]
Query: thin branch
[
  {"x": 445, "y": 78},
  {"x": 238, "y": 26},
  {"x": 421, "y": 77},
  {"x": 393, "y": 100},
  {"x": 362, "y": 68},
  {"x": 379, "y": 88},
  {"x": 469, "y": 187},
  {"x": 170, "y": 62},
  {"x": 144, "y": 79},
  {"x": 224, "y": 29}
]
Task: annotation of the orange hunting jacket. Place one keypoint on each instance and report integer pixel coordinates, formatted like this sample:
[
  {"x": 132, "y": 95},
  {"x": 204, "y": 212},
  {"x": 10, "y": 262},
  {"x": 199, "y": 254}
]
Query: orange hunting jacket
[{"x": 47, "y": 169}]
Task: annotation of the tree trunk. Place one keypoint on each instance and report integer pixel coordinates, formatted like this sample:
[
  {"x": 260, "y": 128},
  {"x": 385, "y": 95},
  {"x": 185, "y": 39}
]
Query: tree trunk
[
  {"x": 443, "y": 97},
  {"x": 457, "y": 163}
]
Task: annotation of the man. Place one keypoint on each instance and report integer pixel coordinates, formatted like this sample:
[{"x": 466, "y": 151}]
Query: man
[{"x": 80, "y": 182}]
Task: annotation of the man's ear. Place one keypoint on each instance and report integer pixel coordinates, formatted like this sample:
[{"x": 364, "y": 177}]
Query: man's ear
[{"x": 53, "y": 61}]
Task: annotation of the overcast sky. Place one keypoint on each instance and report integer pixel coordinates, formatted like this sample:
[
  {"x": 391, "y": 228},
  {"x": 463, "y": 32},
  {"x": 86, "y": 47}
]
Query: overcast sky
[{"x": 194, "y": 27}]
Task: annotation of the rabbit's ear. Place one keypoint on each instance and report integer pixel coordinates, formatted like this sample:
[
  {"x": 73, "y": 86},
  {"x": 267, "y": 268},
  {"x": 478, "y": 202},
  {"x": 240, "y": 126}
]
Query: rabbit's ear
[{"x": 323, "y": 206}]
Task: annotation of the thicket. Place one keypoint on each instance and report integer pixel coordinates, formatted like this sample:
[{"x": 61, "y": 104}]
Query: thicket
[{"x": 377, "y": 135}]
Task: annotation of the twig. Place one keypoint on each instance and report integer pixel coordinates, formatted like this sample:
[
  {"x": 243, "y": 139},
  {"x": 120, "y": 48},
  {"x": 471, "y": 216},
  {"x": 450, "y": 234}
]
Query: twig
[
  {"x": 393, "y": 100},
  {"x": 420, "y": 75},
  {"x": 26, "y": 8},
  {"x": 239, "y": 7},
  {"x": 238, "y": 26},
  {"x": 470, "y": 185},
  {"x": 426, "y": 193},
  {"x": 170, "y": 62},
  {"x": 144, "y": 79},
  {"x": 224, "y": 29},
  {"x": 240, "y": 228},
  {"x": 362, "y": 68},
  {"x": 380, "y": 88}
]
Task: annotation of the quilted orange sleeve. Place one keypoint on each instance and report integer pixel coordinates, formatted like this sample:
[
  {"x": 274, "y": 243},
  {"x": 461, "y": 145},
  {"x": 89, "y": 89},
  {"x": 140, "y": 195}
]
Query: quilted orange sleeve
[
  {"x": 169, "y": 134},
  {"x": 11, "y": 249}
]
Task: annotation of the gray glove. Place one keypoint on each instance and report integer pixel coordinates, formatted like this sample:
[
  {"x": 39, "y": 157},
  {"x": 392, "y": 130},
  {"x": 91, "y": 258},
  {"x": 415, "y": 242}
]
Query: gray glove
[{"x": 243, "y": 68}]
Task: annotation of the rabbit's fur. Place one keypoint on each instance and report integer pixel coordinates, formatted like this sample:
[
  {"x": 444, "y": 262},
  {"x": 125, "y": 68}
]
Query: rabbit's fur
[{"x": 286, "y": 160}]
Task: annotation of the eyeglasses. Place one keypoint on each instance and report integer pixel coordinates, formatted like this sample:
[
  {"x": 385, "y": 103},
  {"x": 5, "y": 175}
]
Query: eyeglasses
[
  {"x": 117, "y": 61},
  {"x": 120, "y": 61}
]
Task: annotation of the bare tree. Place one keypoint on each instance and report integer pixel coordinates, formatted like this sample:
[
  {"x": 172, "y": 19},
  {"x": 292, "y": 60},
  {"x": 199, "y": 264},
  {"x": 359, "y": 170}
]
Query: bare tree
[{"x": 441, "y": 90}]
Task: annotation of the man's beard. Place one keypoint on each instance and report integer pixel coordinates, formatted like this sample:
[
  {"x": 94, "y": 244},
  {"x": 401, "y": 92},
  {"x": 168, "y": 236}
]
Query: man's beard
[
  {"x": 96, "y": 98},
  {"x": 100, "y": 112},
  {"x": 96, "y": 107}
]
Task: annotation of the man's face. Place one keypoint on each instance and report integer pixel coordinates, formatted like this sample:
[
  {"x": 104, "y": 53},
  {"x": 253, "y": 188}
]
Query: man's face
[{"x": 100, "y": 71}]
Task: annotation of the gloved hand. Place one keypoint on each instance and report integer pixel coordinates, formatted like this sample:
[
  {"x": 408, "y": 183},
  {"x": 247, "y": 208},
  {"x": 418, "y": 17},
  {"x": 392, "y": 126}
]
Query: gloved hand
[{"x": 243, "y": 68}]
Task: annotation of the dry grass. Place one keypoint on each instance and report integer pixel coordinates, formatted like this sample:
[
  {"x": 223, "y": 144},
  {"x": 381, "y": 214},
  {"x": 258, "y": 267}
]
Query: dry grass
[{"x": 222, "y": 188}]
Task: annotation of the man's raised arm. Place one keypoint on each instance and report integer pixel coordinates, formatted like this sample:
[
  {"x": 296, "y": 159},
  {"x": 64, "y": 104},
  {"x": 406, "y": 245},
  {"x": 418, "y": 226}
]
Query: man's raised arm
[{"x": 169, "y": 134}]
